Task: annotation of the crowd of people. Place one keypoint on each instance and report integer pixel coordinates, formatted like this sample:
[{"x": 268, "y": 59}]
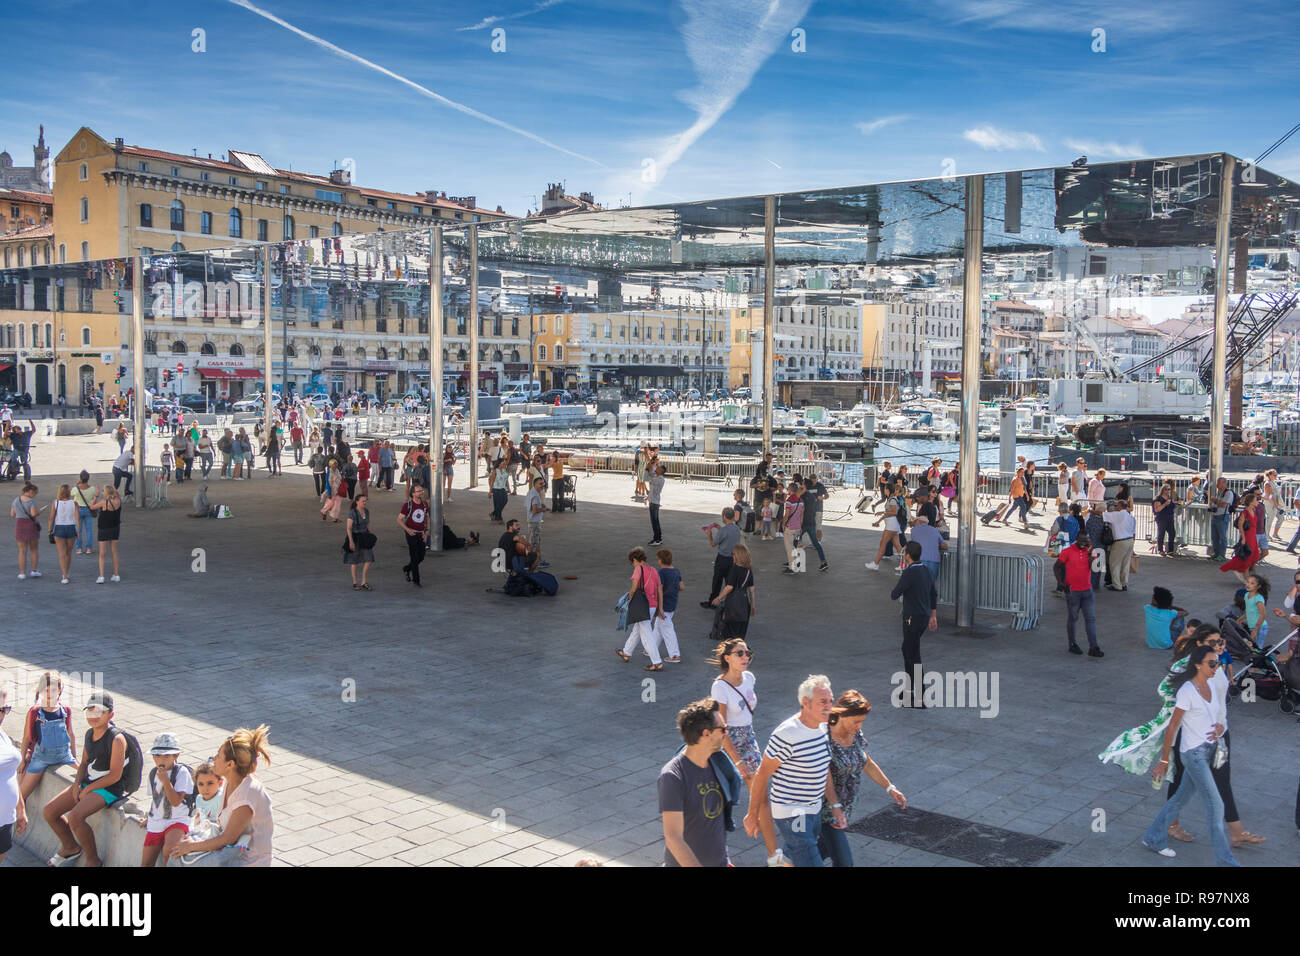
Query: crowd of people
[{"x": 217, "y": 813}]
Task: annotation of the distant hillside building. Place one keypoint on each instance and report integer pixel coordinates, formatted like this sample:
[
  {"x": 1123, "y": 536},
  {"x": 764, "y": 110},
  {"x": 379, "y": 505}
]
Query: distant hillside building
[{"x": 34, "y": 178}]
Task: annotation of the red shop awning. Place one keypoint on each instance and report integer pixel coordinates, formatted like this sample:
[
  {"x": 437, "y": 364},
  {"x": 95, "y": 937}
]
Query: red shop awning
[
  {"x": 6, "y": 366},
  {"x": 250, "y": 373}
]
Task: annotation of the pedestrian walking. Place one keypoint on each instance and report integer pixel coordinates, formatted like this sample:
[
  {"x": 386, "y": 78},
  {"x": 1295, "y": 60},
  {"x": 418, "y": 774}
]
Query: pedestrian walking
[
  {"x": 82, "y": 495},
  {"x": 500, "y": 489},
  {"x": 63, "y": 528},
  {"x": 109, "y": 506},
  {"x": 734, "y": 691},
  {"x": 692, "y": 799},
  {"x": 359, "y": 546},
  {"x": 795, "y": 772},
  {"x": 317, "y": 463},
  {"x": 448, "y": 470},
  {"x": 724, "y": 538},
  {"x": 670, "y": 587},
  {"x": 1073, "y": 569},
  {"x": 893, "y": 518},
  {"x": 737, "y": 595},
  {"x": 1119, "y": 556},
  {"x": 413, "y": 519},
  {"x": 655, "y": 483},
  {"x": 1200, "y": 714},
  {"x": 1163, "y": 507},
  {"x": 810, "y": 524},
  {"x": 1246, "y": 553},
  {"x": 849, "y": 760},
  {"x": 642, "y": 611},
  {"x": 916, "y": 587},
  {"x": 27, "y": 529}
]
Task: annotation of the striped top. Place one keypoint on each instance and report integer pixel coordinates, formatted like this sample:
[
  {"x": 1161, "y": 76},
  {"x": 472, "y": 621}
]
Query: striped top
[{"x": 800, "y": 783}]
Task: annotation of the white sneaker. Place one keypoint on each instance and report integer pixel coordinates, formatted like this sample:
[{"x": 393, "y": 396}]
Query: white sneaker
[
  {"x": 99, "y": 580},
  {"x": 64, "y": 581},
  {"x": 776, "y": 859},
  {"x": 35, "y": 573},
  {"x": 115, "y": 578},
  {"x": 873, "y": 566},
  {"x": 22, "y": 577},
  {"x": 1165, "y": 852}
]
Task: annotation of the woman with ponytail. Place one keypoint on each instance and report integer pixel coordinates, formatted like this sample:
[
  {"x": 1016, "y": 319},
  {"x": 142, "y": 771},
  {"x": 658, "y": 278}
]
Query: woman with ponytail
[{"x": 246, "y": 811}]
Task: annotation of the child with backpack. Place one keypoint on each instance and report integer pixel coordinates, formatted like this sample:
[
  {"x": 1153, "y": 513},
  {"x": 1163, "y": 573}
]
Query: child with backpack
[
  {"x": 48, "y": 739},
  {"x": 109, "y": 771},
  {"x": 172, "y": 795}
]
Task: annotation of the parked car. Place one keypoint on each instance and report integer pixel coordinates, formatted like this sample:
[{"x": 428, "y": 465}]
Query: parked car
[
  {"x": 548, "y": 397},
  {"x": 743, "y": 392},
  {"x": 253, "y": 404},
  {"x": 15, "y": 400},
  {"x": 193, "y": 401},
  {"x": 691, "y": 394}
]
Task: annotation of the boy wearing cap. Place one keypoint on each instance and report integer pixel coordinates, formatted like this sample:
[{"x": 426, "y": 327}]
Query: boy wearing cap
[
  {"x": 98, "y": 784},
  {"x": 170, "y": 786}
]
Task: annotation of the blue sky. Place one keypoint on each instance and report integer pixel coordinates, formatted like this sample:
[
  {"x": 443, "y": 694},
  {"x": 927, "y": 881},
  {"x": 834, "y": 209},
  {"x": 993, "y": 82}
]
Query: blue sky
[{"x": 711, "y": 92}]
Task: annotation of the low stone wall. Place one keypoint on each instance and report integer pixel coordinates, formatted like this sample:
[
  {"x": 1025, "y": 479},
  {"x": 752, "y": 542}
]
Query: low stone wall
[{"x": 119, "y": 837}]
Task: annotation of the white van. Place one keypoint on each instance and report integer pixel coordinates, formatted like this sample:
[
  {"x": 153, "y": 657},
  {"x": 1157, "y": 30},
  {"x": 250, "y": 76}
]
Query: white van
[{"x": 522, "y": 391}]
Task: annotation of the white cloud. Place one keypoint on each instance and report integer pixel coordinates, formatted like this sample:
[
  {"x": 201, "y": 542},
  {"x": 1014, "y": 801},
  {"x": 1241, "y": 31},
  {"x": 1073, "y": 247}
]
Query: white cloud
[
  {"x": 727, "y": 41},
  {"x": 990, "y": 137},
  {"x": 489, "y": 21},
  {"x": 424, "y": 91},
  {"x": 868, "y": 128},
  {"x": 1108, "y": 149}
]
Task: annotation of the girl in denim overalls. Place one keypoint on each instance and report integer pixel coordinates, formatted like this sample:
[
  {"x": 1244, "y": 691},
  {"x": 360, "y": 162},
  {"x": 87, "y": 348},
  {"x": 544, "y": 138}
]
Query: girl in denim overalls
[{"x": 48, "y": 740}]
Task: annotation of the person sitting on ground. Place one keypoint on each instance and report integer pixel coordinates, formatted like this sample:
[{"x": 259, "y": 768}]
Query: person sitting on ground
[
  {"x": 450, "y": 542},
  {"x": 1164, "y": 620}
]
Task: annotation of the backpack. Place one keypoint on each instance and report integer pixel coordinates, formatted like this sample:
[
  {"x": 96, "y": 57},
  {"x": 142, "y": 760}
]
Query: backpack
[
  {"x": 188, "y": 799},
  {"x": 132, "y": 765}
]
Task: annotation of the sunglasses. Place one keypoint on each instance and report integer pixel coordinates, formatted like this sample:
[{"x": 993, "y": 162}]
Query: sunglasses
[
  {"x": 743, "y": 653},
  {"x": 1213, "y": 662},
  {"x": 6, "y": 709}
]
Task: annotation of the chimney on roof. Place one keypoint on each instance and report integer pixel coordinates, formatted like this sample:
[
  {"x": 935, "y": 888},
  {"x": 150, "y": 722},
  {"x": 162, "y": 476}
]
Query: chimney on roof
[
  {"x": 430, "y": 195},
  {"x": 118, "y": 143},
  {"x": 341, "y": 177},
  {"x": 587, "y": 198}
]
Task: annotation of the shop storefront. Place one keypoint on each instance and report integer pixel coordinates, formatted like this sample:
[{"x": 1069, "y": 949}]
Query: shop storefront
[
  {"x": 230, "y": 379},
  {"x": 9, "y": 372},
  {"x": 383, "y": 373}
]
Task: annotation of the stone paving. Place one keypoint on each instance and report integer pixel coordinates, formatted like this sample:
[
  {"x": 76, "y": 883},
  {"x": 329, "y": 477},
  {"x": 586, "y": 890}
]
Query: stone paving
[{"x": 489, "y": 730}]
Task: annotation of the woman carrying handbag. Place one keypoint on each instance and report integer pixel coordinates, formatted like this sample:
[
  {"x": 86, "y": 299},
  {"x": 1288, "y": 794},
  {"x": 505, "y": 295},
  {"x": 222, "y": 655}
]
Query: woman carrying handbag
[
  {"x": 642, "y": 609},
  {"x": 737, "y": 595}
]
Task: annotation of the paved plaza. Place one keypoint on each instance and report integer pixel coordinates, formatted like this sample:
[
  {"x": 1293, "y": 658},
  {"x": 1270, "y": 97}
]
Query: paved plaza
[{"x": 489, "y": 730}]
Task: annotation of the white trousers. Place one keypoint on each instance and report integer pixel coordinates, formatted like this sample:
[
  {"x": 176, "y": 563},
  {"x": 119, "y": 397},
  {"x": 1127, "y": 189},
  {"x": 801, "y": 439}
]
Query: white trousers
[
  {"x": 643, "y": 631},
  {"x": 667, "y": 632}
]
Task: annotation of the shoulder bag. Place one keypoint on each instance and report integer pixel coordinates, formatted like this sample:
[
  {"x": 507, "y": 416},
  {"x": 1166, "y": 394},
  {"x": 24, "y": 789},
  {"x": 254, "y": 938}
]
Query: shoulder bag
[
  {"x": 638, "y": 606},
  {"x": 736, "y": 606}
]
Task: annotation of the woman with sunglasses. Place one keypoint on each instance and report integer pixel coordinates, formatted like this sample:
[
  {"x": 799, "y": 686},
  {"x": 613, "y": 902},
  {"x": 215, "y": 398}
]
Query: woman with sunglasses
[
  {"x": 1135, "y": 750},
  {"x": 734, "y": 692},
  {"x": 849, "y": 759},
  {"x": 1197, "y": 724}
]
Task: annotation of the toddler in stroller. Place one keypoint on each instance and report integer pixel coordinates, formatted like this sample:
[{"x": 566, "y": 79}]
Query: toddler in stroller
[{"x": 1270, "y": 678}]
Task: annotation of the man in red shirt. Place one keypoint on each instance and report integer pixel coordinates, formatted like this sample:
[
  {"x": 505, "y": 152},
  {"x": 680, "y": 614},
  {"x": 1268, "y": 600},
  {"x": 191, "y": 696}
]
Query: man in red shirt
[
  {"x": 295, "y": 437},
  {"x": 1076, "y": 562},
  {"x": 414, "y": 522}
]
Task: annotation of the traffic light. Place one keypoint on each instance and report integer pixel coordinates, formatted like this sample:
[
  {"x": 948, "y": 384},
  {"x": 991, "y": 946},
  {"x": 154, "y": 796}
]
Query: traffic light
[
  {"x": 165, "y": 373},
  {"x": 121, "y": 374}
]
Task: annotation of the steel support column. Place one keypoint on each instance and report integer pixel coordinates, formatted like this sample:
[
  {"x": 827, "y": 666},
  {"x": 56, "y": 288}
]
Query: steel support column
[
  {"x": 769, "y": 324},
  {"x": 1223, "y": 228},
  {"x": 268, "y": 410},
  {"x": 473, "y": 354},
  {"x": 968, "y": 453},
  {"x": 435, "y": 390},
  {"x": 139, "y": 420}
]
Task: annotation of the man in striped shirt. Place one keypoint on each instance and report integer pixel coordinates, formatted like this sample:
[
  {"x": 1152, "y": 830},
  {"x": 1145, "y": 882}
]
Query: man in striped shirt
[{"x": 796, "y": 764}]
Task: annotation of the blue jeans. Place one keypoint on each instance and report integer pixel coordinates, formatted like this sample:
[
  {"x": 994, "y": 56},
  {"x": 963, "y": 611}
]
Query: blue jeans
[
  {"x": 834, "y": 843},
  {"x": 85, "y": 527},
  {"x": 1219, "y": 534},
  {"x": 1291, "y": 546},
  {"x": 812, "y": 533},
  {"x": 801, "y": 847},
  {"x": 1197, "y": 778},
  {"x": 934, "y": 570},
  {"x": 1075, "y": 602}
]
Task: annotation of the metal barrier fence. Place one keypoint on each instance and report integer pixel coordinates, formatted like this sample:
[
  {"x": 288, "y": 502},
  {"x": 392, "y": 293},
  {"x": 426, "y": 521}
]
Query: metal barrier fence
[{"x": 1004, "y": 581}]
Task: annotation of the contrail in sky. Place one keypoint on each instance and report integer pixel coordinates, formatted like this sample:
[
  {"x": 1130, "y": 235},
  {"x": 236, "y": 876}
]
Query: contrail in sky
[
  {"x": 488, "y": 21},
  {"x": 468, "y": 111}
]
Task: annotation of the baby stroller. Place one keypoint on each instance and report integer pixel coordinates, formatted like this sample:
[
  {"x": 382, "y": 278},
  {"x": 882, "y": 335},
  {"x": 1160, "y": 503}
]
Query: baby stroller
[{"x": 1272, "y": 681}]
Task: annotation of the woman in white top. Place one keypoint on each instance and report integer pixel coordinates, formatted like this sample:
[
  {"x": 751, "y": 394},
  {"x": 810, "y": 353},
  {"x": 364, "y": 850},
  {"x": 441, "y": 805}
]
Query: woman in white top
[
  {"x": 892, "y": 527},
  {"x": 246, "y": 810},
  {"x": 1062, "y": 484},
  {"x": 1200, "y": 711},
  {"x": 13, "y": 815},
  {"x": 734, "y": 692},
  {"x": 63, "y": 520}
]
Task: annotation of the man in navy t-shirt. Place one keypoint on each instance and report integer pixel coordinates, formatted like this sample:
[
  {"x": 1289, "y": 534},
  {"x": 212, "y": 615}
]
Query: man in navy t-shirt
[{"x": 691, "y": 800}]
